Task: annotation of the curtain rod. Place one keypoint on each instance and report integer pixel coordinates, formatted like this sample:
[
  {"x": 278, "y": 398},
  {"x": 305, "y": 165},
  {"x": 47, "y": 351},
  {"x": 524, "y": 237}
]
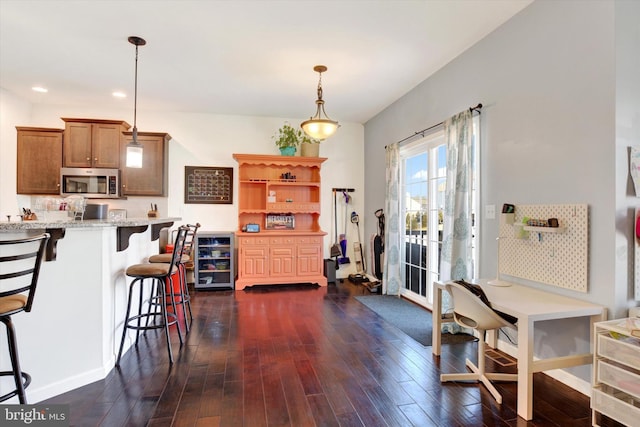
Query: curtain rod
[{"x": 421, "y": 132}]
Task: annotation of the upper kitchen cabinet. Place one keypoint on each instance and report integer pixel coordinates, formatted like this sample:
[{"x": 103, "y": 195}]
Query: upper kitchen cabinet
[
  {"x": 151, "y": 179},
  {"x": 93, "y": 143},
  {"x": 39, "y": 155}
]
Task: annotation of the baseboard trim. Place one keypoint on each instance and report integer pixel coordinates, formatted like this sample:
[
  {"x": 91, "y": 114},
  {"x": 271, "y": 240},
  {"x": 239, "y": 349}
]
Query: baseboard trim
[{"x": 36, "y": 395}]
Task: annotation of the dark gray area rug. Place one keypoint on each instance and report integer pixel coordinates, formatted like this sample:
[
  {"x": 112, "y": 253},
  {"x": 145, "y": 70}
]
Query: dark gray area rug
[{"x": 410, "y": 318}]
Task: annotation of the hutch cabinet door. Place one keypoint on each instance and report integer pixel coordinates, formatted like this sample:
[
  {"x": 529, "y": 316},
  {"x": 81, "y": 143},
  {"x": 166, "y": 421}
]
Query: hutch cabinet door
[
  {"x": 254, "y": 262},
  {"x": 309, "y": 256},
  {"x": 281, "y": 261}
]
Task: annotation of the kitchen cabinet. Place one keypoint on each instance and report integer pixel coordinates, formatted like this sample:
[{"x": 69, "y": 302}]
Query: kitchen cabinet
[
  {"x": 214, "y": 260},
  {"x": 281, "y": 194},
  {"x": 151, "y": 179},
  {"x": 92, "y": 143},
  {"x": 39, "y": 159},
  {"x": 616, "y": 371}
]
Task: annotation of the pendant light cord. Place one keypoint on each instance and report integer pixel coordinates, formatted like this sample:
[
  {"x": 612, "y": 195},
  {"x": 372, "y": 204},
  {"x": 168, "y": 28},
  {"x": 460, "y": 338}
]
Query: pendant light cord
[{"x": 135, "y": 102}]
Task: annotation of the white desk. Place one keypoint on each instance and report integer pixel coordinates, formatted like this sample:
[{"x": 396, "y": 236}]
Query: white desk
[{"x": 529, "y": 305}]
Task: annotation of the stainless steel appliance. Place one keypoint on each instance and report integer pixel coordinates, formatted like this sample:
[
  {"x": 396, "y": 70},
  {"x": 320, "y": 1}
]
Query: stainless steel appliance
[
  {"x": 96, "y": 211},
  {"x": 90, "y": 182}
]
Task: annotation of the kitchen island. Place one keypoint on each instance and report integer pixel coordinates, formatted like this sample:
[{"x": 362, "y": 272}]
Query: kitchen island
[{"x": 71, "y": 336}]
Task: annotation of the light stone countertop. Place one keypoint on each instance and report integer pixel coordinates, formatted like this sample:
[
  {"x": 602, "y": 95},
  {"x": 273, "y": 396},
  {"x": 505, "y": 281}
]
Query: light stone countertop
[
  {"x": 57, "y": 229},
  {"x": 87, "y": 223}
]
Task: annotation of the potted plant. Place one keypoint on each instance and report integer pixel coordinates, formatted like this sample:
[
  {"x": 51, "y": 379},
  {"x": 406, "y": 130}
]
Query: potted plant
[{"x": 287, "y": 139}]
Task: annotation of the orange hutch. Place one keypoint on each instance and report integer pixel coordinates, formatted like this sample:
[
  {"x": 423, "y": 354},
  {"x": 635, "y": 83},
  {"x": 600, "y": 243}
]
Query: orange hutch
[{"x": 280, "y": 197}]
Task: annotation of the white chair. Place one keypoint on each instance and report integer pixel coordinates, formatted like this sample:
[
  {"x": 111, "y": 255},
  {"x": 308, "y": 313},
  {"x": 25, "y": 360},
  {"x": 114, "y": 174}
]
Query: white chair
[{"x": 470, "y": 312}]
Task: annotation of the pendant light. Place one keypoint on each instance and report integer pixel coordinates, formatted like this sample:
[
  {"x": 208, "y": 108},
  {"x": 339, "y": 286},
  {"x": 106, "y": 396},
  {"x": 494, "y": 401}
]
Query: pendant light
[
  {"x": 320, "y": 126},
  {"x": 134, "y": 148}
]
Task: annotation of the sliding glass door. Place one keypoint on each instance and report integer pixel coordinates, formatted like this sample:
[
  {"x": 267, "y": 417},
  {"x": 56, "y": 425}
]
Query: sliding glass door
[{"x": 423, "y": 174}]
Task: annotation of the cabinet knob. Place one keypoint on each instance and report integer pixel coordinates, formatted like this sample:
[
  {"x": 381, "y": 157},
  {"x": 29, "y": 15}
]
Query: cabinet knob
[
  {"x": 88, "y": 158},
  {"x": 95, "y": 160}
]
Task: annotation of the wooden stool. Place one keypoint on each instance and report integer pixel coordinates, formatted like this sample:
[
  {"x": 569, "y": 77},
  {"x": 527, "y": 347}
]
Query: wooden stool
[
  {"x": 183, "y": 298},
  {"x": 20, "y": 262},
  {"x": 160, "y": 274}
]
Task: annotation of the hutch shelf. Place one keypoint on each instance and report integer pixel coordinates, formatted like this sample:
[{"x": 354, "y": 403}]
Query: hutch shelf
[{"x": 281, "y": 195}]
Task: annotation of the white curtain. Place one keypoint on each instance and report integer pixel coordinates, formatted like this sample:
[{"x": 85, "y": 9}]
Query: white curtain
[
  {"x": 391, "y": 278},
  {"x": 457, "y": 248}
]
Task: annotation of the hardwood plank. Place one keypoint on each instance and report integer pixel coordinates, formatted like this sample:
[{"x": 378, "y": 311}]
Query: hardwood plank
[
  {"x": 322, "y": 413},
  {"x": 308, "y": 378},
  {"x": 298, "y": 406},
  {"x": 232, "y": 404},
  {"x": 274, "y": 399},
  {"x": 417, "y": 416}
]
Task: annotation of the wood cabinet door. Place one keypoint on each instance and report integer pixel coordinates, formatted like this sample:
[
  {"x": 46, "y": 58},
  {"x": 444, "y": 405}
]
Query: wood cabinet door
[
  {"x": 281, "y": 261},
  {"x": 105, "y": 145},
  {"x": 151, "y": 179},
  {"x": 39, "y": 159},
  {"x": 309, "y": 256},
  {"x": 77, "y": 145},
  {"x": 92, "y": 143},
  {"x": 253, "y": 260}
]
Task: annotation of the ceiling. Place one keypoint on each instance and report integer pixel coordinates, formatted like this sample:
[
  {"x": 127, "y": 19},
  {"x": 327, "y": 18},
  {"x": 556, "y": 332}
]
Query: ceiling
[{"x": 237, "y": 57}]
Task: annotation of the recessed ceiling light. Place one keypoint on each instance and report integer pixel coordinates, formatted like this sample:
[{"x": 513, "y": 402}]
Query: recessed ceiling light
[
  {"x": 39, "y": 89},
  {"x": 119, "y": 94}
]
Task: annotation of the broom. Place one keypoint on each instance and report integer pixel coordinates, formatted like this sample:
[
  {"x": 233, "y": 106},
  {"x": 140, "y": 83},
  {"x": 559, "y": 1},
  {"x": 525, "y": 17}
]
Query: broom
[
  {"x": 335, "y": 248},
  {"x": 343, "y": 237}
]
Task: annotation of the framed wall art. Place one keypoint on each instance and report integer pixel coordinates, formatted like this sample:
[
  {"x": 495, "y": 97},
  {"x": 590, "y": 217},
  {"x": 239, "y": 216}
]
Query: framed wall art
[{"x": 208, "y": 185}]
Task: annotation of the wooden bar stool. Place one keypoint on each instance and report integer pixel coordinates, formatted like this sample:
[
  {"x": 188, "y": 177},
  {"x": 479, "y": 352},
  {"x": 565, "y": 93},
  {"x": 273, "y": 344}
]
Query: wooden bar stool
[
  {"x": 182, "y": 297},
  {"x": 160, "y": 274},
  {"x": 20, "y": 262}
]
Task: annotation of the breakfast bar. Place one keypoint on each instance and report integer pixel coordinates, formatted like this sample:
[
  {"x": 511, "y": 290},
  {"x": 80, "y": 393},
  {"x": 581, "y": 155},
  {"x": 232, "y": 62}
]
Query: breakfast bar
[{"x": 69, "y": 338}]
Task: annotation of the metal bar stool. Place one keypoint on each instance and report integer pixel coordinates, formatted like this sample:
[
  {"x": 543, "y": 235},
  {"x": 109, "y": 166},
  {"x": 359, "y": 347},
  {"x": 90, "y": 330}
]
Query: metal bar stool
[
  {"x": 20, "y": 262},
  {"x": 159, "y": 273},
  {"x": 182, "y": 298}
]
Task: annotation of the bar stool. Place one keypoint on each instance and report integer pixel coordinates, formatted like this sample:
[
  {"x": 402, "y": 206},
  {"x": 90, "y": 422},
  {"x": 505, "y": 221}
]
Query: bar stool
[
  {"x": 160, "y": 274},
  {"x": 20, "y": 262},
  {"x": 182, "y": 298}
]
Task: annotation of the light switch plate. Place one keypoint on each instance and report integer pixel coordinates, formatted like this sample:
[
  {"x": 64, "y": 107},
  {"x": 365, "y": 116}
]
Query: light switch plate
[{"x": 490, "y": 211}]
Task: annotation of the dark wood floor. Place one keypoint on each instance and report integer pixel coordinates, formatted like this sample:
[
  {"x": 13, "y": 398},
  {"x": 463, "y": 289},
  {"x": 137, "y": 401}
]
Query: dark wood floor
[{"x": 303, "y": 356}]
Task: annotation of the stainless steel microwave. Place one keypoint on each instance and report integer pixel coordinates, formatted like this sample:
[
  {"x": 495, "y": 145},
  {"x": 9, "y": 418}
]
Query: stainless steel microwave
[{"x": 90, "y": 182}]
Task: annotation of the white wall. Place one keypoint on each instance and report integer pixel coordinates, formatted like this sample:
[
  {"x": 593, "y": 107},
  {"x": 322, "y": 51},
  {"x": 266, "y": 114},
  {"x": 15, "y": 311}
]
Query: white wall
[
  {"x": 547, "y": 80},
  {"x": 13, "y": 112},
  {"x": 198, "y": 140}
]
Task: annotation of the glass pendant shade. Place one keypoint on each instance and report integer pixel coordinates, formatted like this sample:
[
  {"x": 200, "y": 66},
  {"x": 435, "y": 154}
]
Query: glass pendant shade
[
  {"x": 134, "y": 155},
  {"x": 318, "y": 128}
]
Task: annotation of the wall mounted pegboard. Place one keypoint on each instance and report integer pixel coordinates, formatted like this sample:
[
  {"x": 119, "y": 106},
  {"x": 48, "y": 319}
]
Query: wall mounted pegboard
[{"x": 558, "y": 257}]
